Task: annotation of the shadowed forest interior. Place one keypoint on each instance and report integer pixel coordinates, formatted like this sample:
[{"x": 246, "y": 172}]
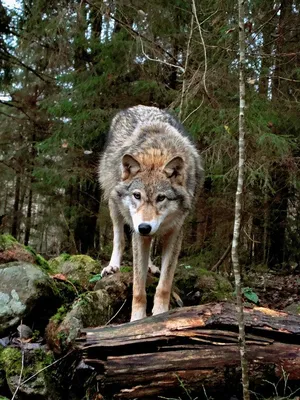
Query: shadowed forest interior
[{"x": 67, "y": 67}]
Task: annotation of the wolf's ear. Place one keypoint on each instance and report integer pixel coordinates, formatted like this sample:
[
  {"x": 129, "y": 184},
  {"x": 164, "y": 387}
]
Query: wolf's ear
[
  {"x": 130, "y": 166},
  {"x": 174, "y": 169}
]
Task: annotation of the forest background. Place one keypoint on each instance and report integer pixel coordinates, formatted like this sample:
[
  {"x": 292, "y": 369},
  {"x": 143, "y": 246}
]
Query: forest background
[{"x": 67, "y": 67}]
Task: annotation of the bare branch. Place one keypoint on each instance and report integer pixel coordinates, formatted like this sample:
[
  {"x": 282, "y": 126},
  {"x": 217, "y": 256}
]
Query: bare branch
[
  {"x": 114, "y": 316},
  {"x": 192, "y": 112},
  {"x": 160, "y": 61},
  {"x": 223, "y": 258},
  {"x": 204, "y": 47}
]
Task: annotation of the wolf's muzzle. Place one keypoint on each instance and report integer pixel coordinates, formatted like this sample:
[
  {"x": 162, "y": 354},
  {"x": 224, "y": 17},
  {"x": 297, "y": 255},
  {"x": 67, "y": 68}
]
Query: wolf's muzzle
[{"x": 144, "y": 229}]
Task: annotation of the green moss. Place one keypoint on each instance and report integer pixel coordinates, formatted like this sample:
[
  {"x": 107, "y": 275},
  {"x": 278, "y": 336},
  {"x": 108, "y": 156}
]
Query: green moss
[
  {"x": 65, "y": 256},
  {"x": 2, "y": 372},
  {"x": 212, "y": 286},
  {"x": 54, "y": 263},
  {"x": 6, "y": 241},
  {"x": 66, "y": 292},
  {"x": 40, "y": 261},
  {"x": 11, "y": 360},
  {"x": 44, "y": 359},
  {"x": 82, "y": 259},
  {"x": 126, "y": 268},
  {"x": 34, "y": 361},
  {"x": 60, "y": 314}
]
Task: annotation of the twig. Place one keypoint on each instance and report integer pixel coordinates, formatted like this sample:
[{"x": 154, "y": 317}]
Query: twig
[
  {"x": 47, "y": 366},
  {"x": 192, "y": 112},
  {"x": 223, "y": 257},
  {"x": 248, "y": 236},
  {"x": 160, "y": 61},
  {"x": 116, "y": 313},
  {"x": 73, "y": 286},
  {"x": 204, "y": 47},
  {"x": 22, "y": 365}
]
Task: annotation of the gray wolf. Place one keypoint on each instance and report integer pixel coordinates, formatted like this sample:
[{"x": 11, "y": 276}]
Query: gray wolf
[{"x": 149, "y": 174}]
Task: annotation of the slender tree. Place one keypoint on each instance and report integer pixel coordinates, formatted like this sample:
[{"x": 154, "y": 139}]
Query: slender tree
[{"x": 238, "y": 201}]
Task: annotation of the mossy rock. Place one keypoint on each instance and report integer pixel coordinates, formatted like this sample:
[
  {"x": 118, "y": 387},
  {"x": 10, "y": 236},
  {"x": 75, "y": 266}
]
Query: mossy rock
[
  {"x": 90, "y": 309},
  {"x": 41, "y": 385},
  {"x": 6, "y": 242},
  {"x": 79, "y": 268},
  {"x": 25, "y": 292},
  {"x": 39, "y": 260},
  {"x": 12, "y": 250},
  {"x": 55, "y": 263},
  {"x": 198, "y": 285}
]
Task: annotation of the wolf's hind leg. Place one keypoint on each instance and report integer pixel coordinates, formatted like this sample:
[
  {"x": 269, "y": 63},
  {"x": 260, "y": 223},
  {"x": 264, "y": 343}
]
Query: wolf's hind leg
[
  {"x": 151, "y": 267},
  {"x": 170, "y": 253},
  {"x": 119, "y": 240},
  {"x": 141, "y": 252}
]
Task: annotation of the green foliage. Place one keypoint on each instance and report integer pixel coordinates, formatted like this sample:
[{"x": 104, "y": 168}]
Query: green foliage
[
  {"x": 250, "y": 295},
  {"x": 95, "y": 278}
]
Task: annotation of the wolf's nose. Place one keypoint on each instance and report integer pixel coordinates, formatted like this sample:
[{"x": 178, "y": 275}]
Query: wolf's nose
[{"x": 145, "y": 229}]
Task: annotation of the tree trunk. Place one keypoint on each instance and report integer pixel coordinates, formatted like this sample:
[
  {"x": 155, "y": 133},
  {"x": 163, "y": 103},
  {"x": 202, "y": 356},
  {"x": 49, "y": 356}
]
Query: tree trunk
[
  {"x": 15, "y": 222},
  {"x": 193, "y": 348},
  {"x": 28, "y": 216},
  {"x": 238, "y": 200}
]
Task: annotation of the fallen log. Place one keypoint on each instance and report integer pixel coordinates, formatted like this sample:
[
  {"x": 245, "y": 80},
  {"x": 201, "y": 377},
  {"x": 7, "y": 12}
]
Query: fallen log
[{"x": 195, "y": 350}]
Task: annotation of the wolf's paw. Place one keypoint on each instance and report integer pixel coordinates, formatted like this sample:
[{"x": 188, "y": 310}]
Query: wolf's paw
[
  {"x": 109, "y": 270},
  {"x": 153, "y": 269}
]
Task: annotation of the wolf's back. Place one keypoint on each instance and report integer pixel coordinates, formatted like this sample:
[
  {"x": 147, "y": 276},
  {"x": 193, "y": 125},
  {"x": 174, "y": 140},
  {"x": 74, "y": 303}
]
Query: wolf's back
[{"x": 139, "y": 128}]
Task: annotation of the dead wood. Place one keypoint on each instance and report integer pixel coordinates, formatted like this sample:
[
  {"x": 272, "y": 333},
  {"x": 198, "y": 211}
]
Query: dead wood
[{"x": 193, "y": 348}]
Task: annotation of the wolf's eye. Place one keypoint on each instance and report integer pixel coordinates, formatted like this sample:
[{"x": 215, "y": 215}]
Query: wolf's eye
[
  {"x": 160, "y": 198},
  {"x": 137, "y": 195}
]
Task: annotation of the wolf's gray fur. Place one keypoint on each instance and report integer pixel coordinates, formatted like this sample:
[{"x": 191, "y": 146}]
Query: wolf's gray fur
[{"x": 149, "y": 173}]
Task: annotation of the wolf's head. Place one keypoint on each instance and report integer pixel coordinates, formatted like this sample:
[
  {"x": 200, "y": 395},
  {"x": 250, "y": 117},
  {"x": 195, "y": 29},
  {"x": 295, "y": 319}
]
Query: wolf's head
[{"x": 153, "y": 193}]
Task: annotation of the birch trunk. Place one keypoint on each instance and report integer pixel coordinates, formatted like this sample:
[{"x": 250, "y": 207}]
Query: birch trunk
[{"x": 238, "y": 202}]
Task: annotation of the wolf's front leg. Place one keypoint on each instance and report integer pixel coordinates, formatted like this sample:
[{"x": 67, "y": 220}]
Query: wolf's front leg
[
  {"x": 119, "y": 240},
  {"x": 170, "y": 252},
  {"x": 141, "y": 251}
]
